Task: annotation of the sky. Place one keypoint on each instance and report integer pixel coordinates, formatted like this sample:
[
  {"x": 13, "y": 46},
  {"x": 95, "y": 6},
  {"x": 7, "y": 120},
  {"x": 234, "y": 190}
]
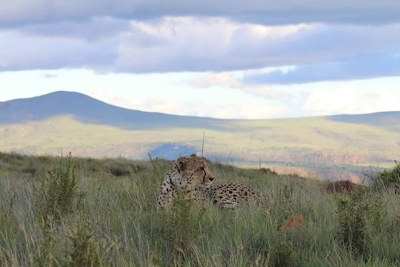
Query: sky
[{"x": 253, "y": 59}]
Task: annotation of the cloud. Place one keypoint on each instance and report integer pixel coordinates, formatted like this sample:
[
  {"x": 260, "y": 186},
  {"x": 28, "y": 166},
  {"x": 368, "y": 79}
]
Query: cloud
[
  {"x": 216, "y": 79},
  {"x": 92, "y": 29},
  {"x": 229, "y": 80},
  {"x": 362, "y": 67},
  {"x": 271, "y": 94},
  {"x": 21, "y": 52},
  {"x": 177, "y": 44},
  {"x": 253, "y": 11},
  {"x": 188, "y": 44},
  {"x": 350, "y": 101},
  {"x": 49, "y": 75},
  {"x": 167, "y": 45}
]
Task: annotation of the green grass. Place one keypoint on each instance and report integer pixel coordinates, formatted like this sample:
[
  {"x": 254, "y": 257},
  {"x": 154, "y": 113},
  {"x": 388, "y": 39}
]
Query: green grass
[
  {"x": 306, "y": 143},
  {"x": 115, "y": 222}
]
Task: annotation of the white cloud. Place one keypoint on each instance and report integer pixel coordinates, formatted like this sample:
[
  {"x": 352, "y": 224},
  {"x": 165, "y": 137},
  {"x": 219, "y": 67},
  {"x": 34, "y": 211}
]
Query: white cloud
[
  {"x": 216, "y": 79},
  {"x": 212, "y": 44},
  {"x": 195, "y": 108},
  {"x": 49, "y": 75},
  {"x": 350, "y": 101},
  {"x": 235, "y": 83},
  {"x": 270, "y": 93},
  {"x": 203, "y": 109}
]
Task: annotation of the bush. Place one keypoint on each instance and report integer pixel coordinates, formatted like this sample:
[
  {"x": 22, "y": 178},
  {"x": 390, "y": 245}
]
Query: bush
[
  {"x": 387, "y": 179},
  {"x": 84, "y": 251},
  {"x": 181, "y": 227},
  {"x": 79, "y": 249},
  {"x": 58, "y": 193},
  {"x": 281, "y": 254},
  {"x": 359, "y": 214}
]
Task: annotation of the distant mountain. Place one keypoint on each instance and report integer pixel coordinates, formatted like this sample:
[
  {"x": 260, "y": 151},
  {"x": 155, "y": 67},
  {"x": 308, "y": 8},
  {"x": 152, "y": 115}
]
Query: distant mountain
[
  {"x": 389, "y": 120},
  {"x": 89, "y": 110}
]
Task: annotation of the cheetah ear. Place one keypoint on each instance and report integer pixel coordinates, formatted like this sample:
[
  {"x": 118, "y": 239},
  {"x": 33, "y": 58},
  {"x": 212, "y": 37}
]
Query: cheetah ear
[{"x": 180, "y": 164}]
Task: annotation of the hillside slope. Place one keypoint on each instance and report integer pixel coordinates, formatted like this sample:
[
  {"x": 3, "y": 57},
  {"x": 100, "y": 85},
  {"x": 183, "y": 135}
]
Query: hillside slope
[
  {"x": 389, "y": 120},
  {"x": 317, "y": 146}
]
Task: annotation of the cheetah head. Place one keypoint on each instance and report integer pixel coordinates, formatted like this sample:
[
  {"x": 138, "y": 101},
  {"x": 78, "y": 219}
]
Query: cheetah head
[{"x": 193, "y": 172}]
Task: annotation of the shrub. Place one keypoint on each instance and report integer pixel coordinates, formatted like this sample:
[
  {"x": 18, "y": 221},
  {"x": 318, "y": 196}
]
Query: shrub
[
  {"x": 46, "y": 255},
  {"x": 359, "y": 214},
  {"x": 387, "y": 179},
  {"x": 281, "y": 254},
  {"x": 267, "y": 171},
  {"x": 181, "y": 227},
  {"x": 58, "y": 193},
  {"x": 80, "y": 249},
  {"x": 117, "y": 168},
  {"x": 84, "y": 250}
]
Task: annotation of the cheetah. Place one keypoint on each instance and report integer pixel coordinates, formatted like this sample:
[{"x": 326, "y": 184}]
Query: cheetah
[
  {"x": 188, "y": 174},
  {"x": 232, "y": 194},
  {"x": 193, "y": 177}
]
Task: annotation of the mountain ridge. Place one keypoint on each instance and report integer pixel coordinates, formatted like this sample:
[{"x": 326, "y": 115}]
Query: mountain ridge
[{"x": 90, "y": 110}]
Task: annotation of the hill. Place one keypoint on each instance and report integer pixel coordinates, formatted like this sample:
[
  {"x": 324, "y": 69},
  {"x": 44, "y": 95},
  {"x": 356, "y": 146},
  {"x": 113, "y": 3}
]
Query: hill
[
  {"x": 331, "y": 147},
  {"x": 389, "y": 120},
  {"x": 86, "y": 109}
]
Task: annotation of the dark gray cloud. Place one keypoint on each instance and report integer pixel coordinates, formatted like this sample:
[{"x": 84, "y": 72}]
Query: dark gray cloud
[
  {"x": 268, "y": 12},
  {"x": 362, "y": 67},
  {"x": 322, "y": 14},
  {"x": 92, "y": 29}
]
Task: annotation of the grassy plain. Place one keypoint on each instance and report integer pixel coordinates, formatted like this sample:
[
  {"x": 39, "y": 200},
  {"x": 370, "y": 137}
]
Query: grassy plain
[
  {"x": 107, "y": 217},
  {"x": 312, "y": 144}
]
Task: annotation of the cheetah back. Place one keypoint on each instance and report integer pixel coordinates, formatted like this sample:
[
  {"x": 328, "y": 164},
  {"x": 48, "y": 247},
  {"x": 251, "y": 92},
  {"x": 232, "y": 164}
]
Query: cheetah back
[{"x": 231, "y": 195}]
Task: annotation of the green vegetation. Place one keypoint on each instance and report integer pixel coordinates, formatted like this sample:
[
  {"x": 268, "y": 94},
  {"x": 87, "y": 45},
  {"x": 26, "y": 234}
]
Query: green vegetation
[
  {"x": 58, "y": 194},
  {"x": 387, "y": 179},
  {"x": 69, "y": 211},
  {"x": 312, "y": 144}
]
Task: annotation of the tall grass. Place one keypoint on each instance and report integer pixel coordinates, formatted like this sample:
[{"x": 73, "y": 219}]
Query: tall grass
[{"x": 115, "y": 222}]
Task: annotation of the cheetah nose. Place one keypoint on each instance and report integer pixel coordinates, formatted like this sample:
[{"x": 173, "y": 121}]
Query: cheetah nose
[{"x": 211, "y": 179}]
